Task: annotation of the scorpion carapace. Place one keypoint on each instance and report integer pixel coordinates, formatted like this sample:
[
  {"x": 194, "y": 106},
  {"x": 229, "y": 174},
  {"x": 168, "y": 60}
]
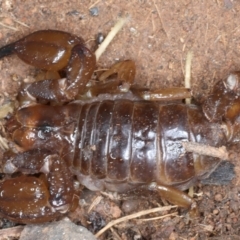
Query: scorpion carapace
[{"x": 107, "y": 144}]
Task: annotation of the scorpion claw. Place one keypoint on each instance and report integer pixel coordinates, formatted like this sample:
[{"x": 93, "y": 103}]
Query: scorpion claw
[
  {"x": 42, "y": 193},
  {"x": 26, "y": 199}
]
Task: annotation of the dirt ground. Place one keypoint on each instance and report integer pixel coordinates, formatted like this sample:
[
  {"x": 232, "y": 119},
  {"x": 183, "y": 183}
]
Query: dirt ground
[{"x": 158, "y": 36}]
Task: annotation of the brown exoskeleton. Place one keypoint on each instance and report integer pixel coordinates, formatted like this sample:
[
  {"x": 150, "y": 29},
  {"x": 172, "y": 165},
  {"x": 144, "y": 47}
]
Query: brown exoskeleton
[{"x": 108, "y": 144}]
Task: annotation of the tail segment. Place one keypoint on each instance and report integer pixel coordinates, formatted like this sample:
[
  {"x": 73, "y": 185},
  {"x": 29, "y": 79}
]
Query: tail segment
[{"x": 7, "y": 50}]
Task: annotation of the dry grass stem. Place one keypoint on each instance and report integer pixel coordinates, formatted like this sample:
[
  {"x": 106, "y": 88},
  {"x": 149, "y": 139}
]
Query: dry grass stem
[
  {"x": 118, "y": 26},
  {"x": 21, "y": 23},
  {"x": 159, "y": 14},
  {"x": 9, "y": 27},
  {"x": 157, "y": 218},
  {"x": 3, "y": 143},
  {"x": 187, "y": 80},
  {"x": 132, "y": 216},
  {"x": 94, "y": 4},
  {"x": 96, "y": 201}
]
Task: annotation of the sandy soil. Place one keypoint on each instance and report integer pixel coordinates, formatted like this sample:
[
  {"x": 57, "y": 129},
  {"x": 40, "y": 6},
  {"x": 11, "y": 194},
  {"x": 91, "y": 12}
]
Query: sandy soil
[{"x": 158, "y": 36}]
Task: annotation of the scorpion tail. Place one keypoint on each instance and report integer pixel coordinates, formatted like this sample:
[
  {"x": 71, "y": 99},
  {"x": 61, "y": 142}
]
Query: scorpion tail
[
  {"x": 7, "y": 50},
  {"x": 25, "y": 199}
]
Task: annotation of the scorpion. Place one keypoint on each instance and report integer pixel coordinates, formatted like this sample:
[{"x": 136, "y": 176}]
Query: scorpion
[{"x": 114, "y": 144}]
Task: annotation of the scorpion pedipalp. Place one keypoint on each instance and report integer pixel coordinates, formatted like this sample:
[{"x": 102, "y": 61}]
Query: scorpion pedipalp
[{"x": 37, "y": 198}]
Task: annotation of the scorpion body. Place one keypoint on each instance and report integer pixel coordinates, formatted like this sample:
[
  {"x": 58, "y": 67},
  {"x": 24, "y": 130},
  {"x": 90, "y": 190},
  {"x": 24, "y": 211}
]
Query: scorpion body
[{"x": 116, "y": 145}]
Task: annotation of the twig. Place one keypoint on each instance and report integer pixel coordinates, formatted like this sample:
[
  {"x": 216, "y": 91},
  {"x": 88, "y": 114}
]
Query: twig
[
  {"x": 187, "y": 79},
  {"x": 191, "y": 192},
  {"x": 118, "y": 26},
  {"x": 96, "y": 201},
  {"x": 94, "y": 4},
  {"x": 21, "y": 23},
  {"x": 135, "y": 215},
  {"x": 3, "y": 144},
  {"x": 203, "y": 149}
]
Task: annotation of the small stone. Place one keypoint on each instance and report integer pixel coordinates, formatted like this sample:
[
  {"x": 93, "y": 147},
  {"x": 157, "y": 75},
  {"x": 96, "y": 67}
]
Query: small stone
[
  {"x": 215, "y": 211},
  {"x": 218, "y": 197},
  {"x": 234, "y": 206},
  {"x": 99, "y": 38},
  {"x": 133, "y": 30},
  {"x": 94, "y": 11},
  {"x": 173, "y": 236},
  {"x": 229, "y": 220},
  {"x": 207, "y": 194},
  {"x": 228, "y": 227},
  {"x": 130, "y": 205},
  {"x": 60, "y": 230}
]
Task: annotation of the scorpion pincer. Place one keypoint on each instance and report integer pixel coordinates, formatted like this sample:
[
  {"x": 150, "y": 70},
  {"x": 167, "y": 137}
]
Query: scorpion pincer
[{"x": 115, "y": 145}]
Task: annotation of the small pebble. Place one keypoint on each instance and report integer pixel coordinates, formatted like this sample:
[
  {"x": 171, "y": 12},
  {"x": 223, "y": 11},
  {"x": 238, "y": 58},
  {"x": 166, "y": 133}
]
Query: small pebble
[
  {"x": 207, "y": 194},
  {"x": 94, "y": 11},
  {"x": 73, "y": 13},
  {"x": 215, "y": 211},
  {"x": 60, "y": 230},
  {"x": 228, "y": 226},
  {"x": 99, "y": 38},
  {"x": 218, "y": 197},
  {"x": 173, "y": 236},
  {"x": 137, "y": 237},
  {"x": 133, "y": 30},
  {"x": 234, "y": 206},
  {"x": 235, "y": 220},
  {"x": 130, "y": 205},
  {"x": 229, "y": 220}
]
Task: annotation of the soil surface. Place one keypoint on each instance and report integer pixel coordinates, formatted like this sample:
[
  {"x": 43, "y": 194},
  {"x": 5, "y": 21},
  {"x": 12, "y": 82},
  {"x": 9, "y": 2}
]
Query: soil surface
[{"x": 158, "y": 36}]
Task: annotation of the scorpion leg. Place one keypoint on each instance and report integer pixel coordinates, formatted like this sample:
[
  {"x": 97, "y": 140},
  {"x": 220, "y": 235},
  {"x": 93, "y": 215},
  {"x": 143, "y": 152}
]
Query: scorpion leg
[
  {"x": 224, "y": 100},
  {"x": 173, "y": 195},
  {"x": 167, "y": 94},
  {"x": 34, "y": 197},
  {"x": 125, "y": 72}
]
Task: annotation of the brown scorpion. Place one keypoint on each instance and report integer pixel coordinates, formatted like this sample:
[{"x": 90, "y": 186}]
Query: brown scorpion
[{"x": 106, "y": 144}]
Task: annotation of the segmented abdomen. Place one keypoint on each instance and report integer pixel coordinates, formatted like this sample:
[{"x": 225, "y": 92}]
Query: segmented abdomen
[{"x": 140, "y": 141}]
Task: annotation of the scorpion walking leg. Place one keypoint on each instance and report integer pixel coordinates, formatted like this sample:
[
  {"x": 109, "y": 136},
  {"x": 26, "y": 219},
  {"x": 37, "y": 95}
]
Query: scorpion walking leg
[
  {"x": 167, "y": 94},
  {"x": 125, "y": 72},
  {"x": 36, "y": 198},
  {"x": 223, "y": 102},
  {"x": 173, "y": 195}
]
